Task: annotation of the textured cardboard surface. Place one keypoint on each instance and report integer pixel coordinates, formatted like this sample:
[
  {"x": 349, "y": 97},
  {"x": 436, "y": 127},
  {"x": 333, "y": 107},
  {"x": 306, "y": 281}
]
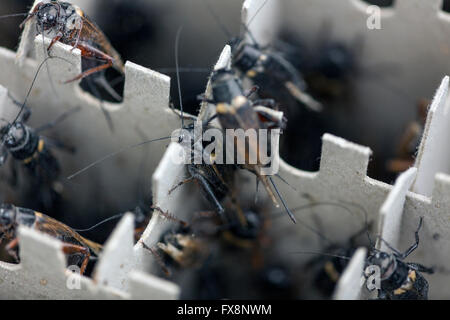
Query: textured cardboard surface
[{"x": 410, "y": 45}]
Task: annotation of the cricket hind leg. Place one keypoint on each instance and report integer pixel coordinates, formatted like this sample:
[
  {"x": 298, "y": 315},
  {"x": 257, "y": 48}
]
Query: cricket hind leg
[
  {"x": 88, "y": 51},
  {"x": 70, "y": 249},
  {"x": 103, "y": 80}
]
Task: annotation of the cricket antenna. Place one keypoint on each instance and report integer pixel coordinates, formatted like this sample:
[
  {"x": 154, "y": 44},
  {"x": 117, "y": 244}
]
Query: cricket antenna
[
  {"x": 218, "y": 20},
  {"x": 184, "y": 69},
  {"x": 366, "y": 222},
  {"x": 33, "y": 83},
  {"x": 141, "y": 190},
  {"x": 322, "y": 253},
  {"x": 291, "y": 215},
  {"x": 284, "y": 181},
  {"x": 256, "y": 13},
  {"x": 29, "y": 90},
  {"x": 177, "y": 43},
  {"x": 372, "y": 246},
  {"x": 177, "y": 40},
  {"x": 46, "y": 65},
  {"x": 280, "y": 214},
  {"x": 117, "y": 216},
  {"x": 247, "y": 26},
  {"x": 13, "y": 15},
  {"x": 114, "y": 154}
]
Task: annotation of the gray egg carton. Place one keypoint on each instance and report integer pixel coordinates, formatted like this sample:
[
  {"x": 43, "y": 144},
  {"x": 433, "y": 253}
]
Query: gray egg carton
[{"x": 127, "y": 271}]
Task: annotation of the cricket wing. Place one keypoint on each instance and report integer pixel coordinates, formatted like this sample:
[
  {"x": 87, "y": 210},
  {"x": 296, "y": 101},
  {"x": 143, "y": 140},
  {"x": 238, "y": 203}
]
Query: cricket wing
[{"x": 92, "y": 34}]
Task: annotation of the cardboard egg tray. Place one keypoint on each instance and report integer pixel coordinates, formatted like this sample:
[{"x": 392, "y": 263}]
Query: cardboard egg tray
[{"x": 413, "y": 43}]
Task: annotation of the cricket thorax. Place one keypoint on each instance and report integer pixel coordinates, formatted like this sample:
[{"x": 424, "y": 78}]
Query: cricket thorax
[
  {"x": 246, "y": 57},
  {"x": 225, "y": 86}
]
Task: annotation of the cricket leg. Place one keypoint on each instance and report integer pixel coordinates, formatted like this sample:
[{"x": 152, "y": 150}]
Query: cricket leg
[
  {"x": 169, "y": 216},
  {"x": 88, "y": 51},
  {"x": 87, "y": 73},
  {"x": 269, "y": 103},
  {"x": 69, "y": 248},
  {"x": 203, "y": 98},
  {"x": 416, "y": 243},
  {"x": 54, "y": 40},
  {"x": 179, "y": 184},
  {"x": 303, "y": 97},
  {"x": 421, "y": 268},
  {"x": 252, "y": 90},
  {"x": 11, "y": 249},
  {"x": 78, "y": 36},
  {"x": 158, "y": 259}
]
